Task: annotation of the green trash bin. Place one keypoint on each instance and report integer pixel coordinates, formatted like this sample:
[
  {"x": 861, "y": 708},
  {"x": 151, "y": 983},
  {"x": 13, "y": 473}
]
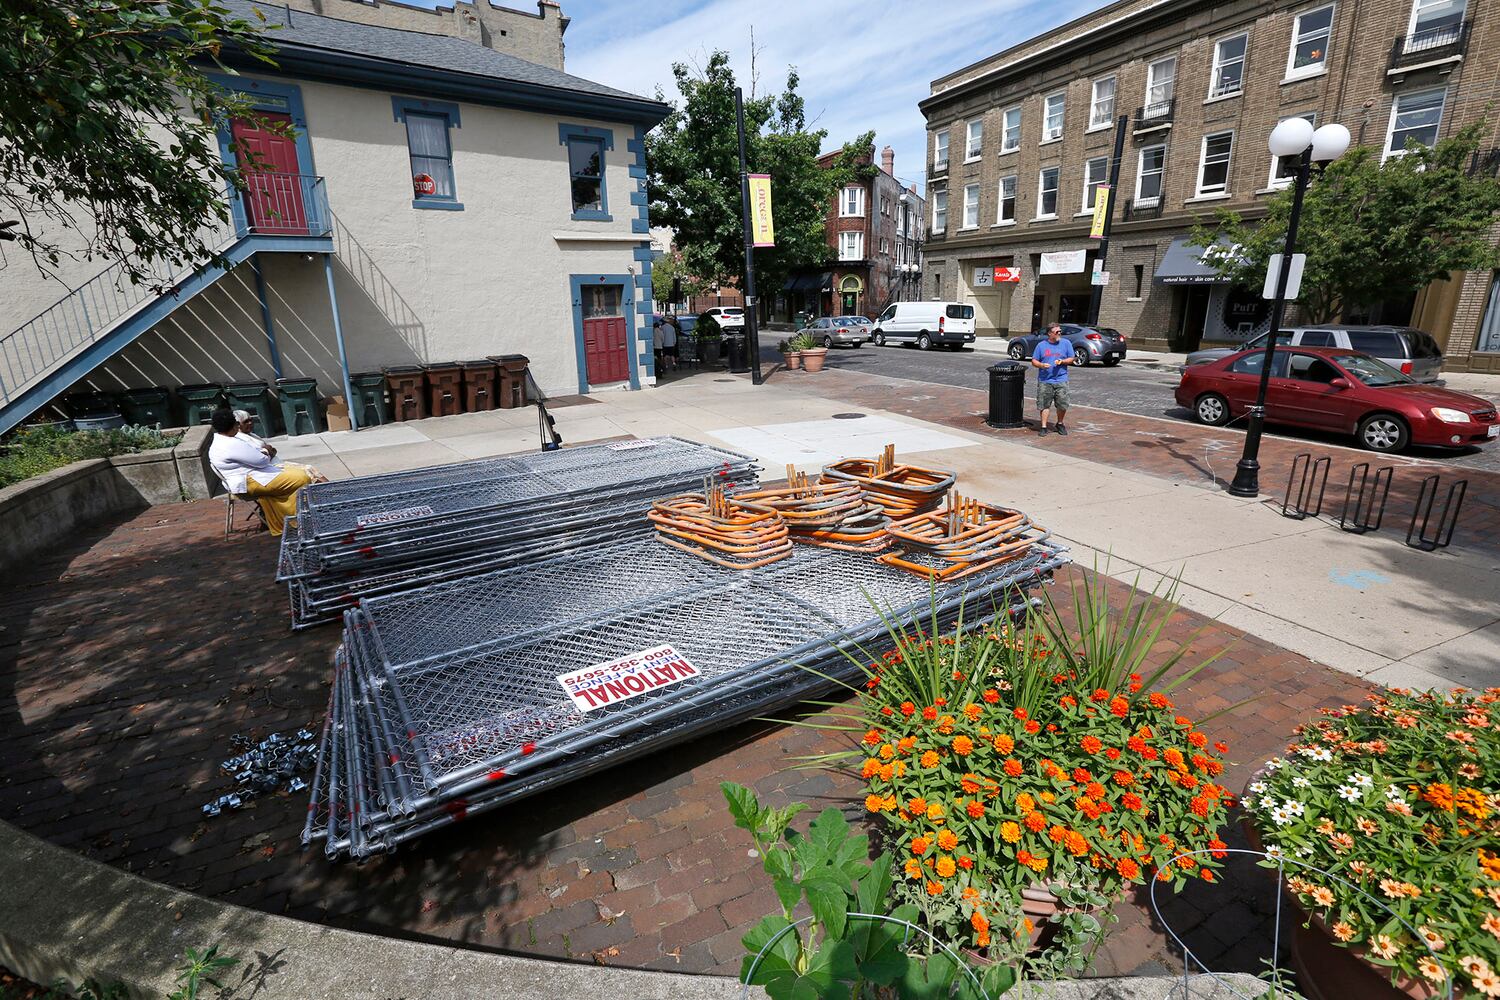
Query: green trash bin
[
  {"x": 199, "y": 402},
  {"x": 255, "y": 399},
  {"x": 148, "y": 407},
  {"x": 299, "y": 406},
  {"x": 370, "y": 405}
]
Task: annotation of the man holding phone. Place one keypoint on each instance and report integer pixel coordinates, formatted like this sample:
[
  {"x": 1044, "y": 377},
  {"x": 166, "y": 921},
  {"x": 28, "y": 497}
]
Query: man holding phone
[{"x": 1051, "y": 359}]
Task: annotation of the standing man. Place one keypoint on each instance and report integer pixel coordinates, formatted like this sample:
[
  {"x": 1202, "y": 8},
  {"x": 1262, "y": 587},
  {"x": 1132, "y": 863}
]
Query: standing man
[{"x": 1051, "y": 359}]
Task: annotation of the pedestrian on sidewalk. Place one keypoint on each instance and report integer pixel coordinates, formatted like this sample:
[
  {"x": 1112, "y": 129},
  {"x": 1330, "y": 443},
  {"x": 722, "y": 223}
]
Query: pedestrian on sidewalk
[{"x": 1051, "y": 359}]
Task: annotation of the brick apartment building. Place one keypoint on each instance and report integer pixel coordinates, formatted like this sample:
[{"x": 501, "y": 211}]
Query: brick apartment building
[{"x": 1019, "y": 141}]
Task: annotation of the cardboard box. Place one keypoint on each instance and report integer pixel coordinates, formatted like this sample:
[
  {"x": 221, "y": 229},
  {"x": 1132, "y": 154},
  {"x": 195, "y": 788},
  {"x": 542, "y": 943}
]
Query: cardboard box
[{"x": 337, "y": 414}]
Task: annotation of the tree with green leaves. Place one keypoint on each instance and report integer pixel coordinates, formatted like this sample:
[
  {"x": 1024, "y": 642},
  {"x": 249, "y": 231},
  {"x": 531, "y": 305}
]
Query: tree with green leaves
[
  {"x": 671, "y": 265},
  {"x": 108, "y": 145},
  {"x": 694, "y": 181},
  {"x": 1372, "y": 231}
]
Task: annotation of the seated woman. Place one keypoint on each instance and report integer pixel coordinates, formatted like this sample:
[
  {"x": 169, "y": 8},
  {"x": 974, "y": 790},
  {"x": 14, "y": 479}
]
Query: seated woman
[{"x": 247, "y": 469}]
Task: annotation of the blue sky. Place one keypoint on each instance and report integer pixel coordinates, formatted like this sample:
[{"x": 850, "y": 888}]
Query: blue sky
[{"x": 864, "y": 63}]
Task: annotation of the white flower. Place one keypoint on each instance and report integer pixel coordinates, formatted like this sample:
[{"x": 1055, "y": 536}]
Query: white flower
[
  {"x": 1348, "y": 794},
  {"x": 1317, "y": 753},
  {"x": 1281, "y": 816},
  {"x": 1361, "y": 780},
  {"x": 1258, "y": 787},
  {"x": 1301, "y": 782},
  {"x": 1292, "y": 806},
  {"x": 1274, "y": 763},
  {"x": 1304, "y": 851},
  {"x": 1394, "y": 794},
  {"x": 1274, "y": 852}
]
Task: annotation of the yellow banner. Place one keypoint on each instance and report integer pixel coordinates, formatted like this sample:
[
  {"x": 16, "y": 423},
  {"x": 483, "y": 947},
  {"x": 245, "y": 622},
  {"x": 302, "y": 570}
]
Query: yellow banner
[
  {"x": 1101, "y": 212},
  {"x": 762, "y": 229}
]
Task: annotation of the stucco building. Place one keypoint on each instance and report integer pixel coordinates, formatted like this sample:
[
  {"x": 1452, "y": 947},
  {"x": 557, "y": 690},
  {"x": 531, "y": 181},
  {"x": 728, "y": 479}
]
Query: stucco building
[
  {"x": 442, "y": 200},
  {"x": 1019, "y": 142}
]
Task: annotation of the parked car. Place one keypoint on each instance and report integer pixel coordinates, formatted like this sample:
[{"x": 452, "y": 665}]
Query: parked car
[
  {"x": 829, "y": 331},
  {"x": 1102, "y": 344},
  {"x": 731, "y": 319},
  {"x": 947, "y": 324},
  {"x": 1331, "y": 389},
  {"x": 1409, "y": 351}
]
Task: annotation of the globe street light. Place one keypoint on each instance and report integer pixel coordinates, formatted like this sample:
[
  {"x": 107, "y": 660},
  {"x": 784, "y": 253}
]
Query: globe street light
[{"x": 1293, "y": 137}]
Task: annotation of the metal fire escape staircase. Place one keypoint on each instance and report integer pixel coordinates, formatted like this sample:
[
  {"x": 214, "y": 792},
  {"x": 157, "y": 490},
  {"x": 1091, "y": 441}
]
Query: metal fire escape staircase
[{"x": 281, "y": 213}]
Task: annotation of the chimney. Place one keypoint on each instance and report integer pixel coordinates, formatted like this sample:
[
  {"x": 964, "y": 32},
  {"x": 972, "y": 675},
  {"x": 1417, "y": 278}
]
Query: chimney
[{"x": 888, "y": 160}]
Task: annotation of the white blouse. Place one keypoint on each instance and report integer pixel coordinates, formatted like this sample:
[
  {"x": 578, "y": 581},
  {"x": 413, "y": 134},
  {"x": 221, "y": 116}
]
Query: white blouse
[{"x": 236, "y": 460}]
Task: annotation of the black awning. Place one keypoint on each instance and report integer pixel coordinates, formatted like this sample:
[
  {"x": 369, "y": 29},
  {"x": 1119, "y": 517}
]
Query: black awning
[
  {"x": 809, "y": 282},
  {"x": 1183, "y": 264}
]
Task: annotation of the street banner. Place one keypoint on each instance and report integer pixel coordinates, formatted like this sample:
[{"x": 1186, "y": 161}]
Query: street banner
[
  {"x": 1101, "y": 212},
  {"x": 1007, "y": 275},
  {"x": 1064, "y": 262},
  {"x": 762, "y": 228},
  {"x": 616, "y": 680}
]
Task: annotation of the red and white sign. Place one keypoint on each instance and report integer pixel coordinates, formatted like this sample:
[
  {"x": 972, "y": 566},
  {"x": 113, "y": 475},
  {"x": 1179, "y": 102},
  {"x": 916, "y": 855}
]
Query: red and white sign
[
  {"x": 629, "y": 676},
  {"x": 1007, "y": 275},
  {"x": 424, "y": 184},
  {"x": 387, "y": 516}
]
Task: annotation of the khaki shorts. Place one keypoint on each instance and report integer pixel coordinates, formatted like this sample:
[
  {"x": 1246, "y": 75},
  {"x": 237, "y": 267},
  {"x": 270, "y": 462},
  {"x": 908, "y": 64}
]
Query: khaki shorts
[{"x": 1050, "y": 394}]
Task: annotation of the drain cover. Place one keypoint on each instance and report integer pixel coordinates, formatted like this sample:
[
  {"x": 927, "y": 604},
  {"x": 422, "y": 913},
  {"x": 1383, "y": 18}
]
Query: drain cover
[{"x": 847, "y": 416}]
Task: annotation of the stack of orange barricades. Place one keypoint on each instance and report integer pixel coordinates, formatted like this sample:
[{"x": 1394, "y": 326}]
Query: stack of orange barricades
[
  {"x": 902, "y": 491},
  {"x": 831, "y": 515},
  {"x": 718, "y": 529},
  {"x": 965, "y": 537}
]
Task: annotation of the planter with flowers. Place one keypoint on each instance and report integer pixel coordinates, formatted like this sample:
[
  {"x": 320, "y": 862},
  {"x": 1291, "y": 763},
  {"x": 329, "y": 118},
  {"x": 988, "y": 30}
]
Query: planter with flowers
[
  {"x": 790, "y": 356},
  {"x": 1400, "y": 798}
]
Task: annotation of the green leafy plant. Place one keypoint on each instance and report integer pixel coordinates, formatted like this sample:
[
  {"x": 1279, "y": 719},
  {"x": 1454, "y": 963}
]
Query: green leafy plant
[
  {"x": 201, "y": 968},
  {"x": 783, "y": 347},
  {"x": 708, "y": 328},
  {"x": 802, "y": 342},
  {"x": 33, "y": 451}
]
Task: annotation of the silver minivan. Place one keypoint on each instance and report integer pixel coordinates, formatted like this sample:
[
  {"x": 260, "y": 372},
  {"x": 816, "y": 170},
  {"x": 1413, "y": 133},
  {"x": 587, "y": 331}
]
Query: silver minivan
[{"x": 1411, "y": 352}]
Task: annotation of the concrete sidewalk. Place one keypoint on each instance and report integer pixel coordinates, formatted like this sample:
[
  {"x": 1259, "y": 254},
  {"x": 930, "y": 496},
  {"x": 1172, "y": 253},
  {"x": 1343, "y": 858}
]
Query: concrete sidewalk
[{"x": 1366, "y": 605}]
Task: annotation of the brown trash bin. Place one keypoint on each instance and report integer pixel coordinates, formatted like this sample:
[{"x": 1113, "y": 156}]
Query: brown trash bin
[
  {"x": 513, "y": 392},
  {"x": 445, "y": 393},
  {"x": 479, "y": 386},
  {"x": 408, "y": 391}
]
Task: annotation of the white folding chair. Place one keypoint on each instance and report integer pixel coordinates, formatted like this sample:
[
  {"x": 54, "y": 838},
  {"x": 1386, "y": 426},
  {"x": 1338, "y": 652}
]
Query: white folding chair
[{"x": 229, "y": 500}]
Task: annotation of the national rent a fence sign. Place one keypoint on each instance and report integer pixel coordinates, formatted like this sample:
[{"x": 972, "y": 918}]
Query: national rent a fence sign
[{"x": 607, "y": 683}]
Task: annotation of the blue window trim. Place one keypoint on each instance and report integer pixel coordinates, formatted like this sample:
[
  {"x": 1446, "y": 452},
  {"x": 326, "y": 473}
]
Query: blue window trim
[
  {"x": 566, "y": 134},
  {"x": 638, "y": 355},
  {"x": 400, "y": 108},
  {"x": 264, "y": 95}
]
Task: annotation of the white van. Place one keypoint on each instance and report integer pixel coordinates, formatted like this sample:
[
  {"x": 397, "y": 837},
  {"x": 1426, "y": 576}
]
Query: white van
[{"x": 950, "y": 324}]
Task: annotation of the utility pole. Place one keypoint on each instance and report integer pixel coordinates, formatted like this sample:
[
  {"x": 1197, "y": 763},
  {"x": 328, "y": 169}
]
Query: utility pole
[
  {"x": 1097, "y": 292},
  {"x": 752, "y": 320}
]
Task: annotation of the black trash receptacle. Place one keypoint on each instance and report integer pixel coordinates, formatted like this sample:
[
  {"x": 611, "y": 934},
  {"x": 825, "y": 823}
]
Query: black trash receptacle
[
  {"x": 199, "y": 402},
  {"x": 369, "y": 398},
  {"x": 1007, "y": 394},
  {"x": 91, "y": 403},
  {"x": 737, "y": 347},
  {"x": 255, "y": 399},
  {"x": 300, "y": 413},
  {"x": 148, "y": 407}
]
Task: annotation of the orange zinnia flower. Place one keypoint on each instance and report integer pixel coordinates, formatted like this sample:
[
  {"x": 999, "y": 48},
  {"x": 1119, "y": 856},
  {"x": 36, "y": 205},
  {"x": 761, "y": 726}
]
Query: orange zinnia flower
[
  {"x": 971, "y": 712},
  {"x": 1013, "y": 767},
  {"x": 874, "y": 803},
  {"x": 872, "y": 737},
  {"x": 1091, "y": 744},
  {"x": 947, "y": 840},
  {"x": 1032, "y": 726},
  {"x": 917, "y": 807},
  {"x": 969, "y": 783},
  {"x": 1025, "y": 802},
  {"x": 963, "y": 746},
  {"x": 913, "y": 868},
  {"x": 975, "y": 810},
  {"x": 871, "y": 768},
  {"x": 991, "y": 696},
  {"x": 1035, "y": 822},
  {"x": 946, "y": 867},
  {"x": 930, "y": 759},
  {"x": 934, "y": 889},
  {"x": 929, "y": 713},
  {"x": 1120, "y": 707},
  {"x": 1075, "y": 843},
  {"x": 1127, "y": 868},
  {"x": 1010, "y": 832},
  {"x": 1003, "y": 744},
  {"x": 934, "y": 811},
  {"x": 919, "y": 846}
]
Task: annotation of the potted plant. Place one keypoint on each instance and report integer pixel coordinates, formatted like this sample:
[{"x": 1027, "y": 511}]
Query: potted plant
[
  {"x": 1400, "y": 798},
  {"x": 1025, "y": 776},
  {"x": 790, "y": 356},
  {"x": 813, "y": 356},
  {"x": 709, "y": 336}
]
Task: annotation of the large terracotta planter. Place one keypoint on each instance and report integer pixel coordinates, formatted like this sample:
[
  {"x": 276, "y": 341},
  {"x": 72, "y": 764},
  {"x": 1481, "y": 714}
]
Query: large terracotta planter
[
  {"x": 813, "y": 360},
  {"x": 793, "y": 360}
]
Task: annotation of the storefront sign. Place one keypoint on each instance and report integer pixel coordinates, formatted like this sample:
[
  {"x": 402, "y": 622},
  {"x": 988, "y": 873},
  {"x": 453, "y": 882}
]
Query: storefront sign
[
  {"x": 1007, "y": 275},
  {"x": 615, "y": 681},
  {"x": 762, "y": 228},
  {"x": 1244, "y": 310},
  {"x": 1064, "y": 262},
  {"x": 984, "y": 277},
  {"x": 424, "y": 184},
  {"x": 387, "y": 516},
  {"x": 1101, "y": 211}
]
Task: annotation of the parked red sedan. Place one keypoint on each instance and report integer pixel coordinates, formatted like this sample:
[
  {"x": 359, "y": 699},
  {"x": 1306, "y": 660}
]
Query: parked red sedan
[{"x": 1331, "y": 389}]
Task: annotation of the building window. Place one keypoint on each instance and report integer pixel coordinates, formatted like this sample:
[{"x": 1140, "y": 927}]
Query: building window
[
  {"x": 1140, "y": 277},
  {"x": 940, "y": 150},
  {"x": 1434, "y": 23},
  {"x": 852, "y": 246},
  {"x": 1046, "y": 194},
  {"x": 1284, "y": 169},
  {"x": 1213, "y": 166},
  {"x": 1309, "y": 52},
  {"x": 1413, "y": 116},
  {"x": 1489, "y": 330},
  {"x": 1052, "y": 117},
  {"x": 1007, "y": 210},
  {"x": 852, "y": 203},
  {"x": 971, "y": 206},
  {"x": 586, "y": 147},
  {"x": 1148, "y": 176},
  {"x": 1161, "y": 84},
  {"x": 1095, "y": 171},
  {"x": 1102, "y": 104},
  {"x": 885, "y": 246},
  {"x": 427, "y": 143},
  {"x": 974, "y": 142},
  {"x": 1229, "y": 67},
  {"x": 1010, "y": 132},
  {"x": 939, "y": 211}
]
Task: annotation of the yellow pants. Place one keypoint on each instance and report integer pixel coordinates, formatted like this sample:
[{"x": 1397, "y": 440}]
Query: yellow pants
[{"x": 278, "y": 498}]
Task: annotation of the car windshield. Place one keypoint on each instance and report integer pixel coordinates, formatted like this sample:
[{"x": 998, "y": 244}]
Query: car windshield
[
  {"x": 1284, "y": 337},
  {"x": 1371, "y": 371}
]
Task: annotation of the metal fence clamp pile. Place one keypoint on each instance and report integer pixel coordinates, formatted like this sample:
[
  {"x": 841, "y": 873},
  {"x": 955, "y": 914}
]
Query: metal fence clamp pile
[
  {"x": 964, "y": 538},
  {"x": 834, "y": 514},
  {"x": 901, "y": 490}
]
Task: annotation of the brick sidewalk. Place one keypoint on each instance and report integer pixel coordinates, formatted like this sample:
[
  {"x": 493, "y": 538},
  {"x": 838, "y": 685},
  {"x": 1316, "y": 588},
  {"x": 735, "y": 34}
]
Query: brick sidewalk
[{"x": 130, "y": 657}]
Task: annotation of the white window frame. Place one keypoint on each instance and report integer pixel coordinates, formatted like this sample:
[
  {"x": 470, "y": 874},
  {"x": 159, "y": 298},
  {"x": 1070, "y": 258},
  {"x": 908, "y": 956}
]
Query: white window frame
[
  {"x": 1095, "y": 122},
  {"x": 971, "y": 207},
  {"x": 1198, "y": 191},
  {"x": 1272, "y": 181},
  {"x": 1091, "y": 186},
  {"x": 1041, "y": 177},
  {"x": 939, "y": 210},
  {"x": 1390, "y": 129},
  {"x": 940, "y": 149},
  {"x": 973, "y": 140},
  {"x": 1006, "y": 146},
  {"x": 1411, "y": 24},
  {"x": 1153, "y": 84},
  {"x": 1140, "y": 173},
  {"x": 1218, "y": 63},
  {"x": 1315, "y": 68},
  {"x": 851, "y": 245},
  {"x": 1000, "y": 217},
  {"x": 858, "y": 211},
  {"x": 1061, "y": 97}
]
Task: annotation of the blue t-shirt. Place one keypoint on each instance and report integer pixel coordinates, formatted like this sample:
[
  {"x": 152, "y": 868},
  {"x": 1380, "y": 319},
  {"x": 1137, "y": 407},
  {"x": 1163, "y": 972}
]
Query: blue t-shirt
[{"x": 1050, "y": 354}]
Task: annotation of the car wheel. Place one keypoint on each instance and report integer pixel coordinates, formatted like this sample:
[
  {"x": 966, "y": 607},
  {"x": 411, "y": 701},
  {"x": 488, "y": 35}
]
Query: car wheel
[
  {"x": 828, "y": 342},
  {"x": 1212, "y": 409},
  {"x": 1383, "y": 432},
  {"x": 924, "y": 342},
  {"x": 1017, "y": 350},
  {"x": 1111, "y": 362},
  {"x": 858, "y": 344},
  {"x": 878, "y": 339},
  {"x": 1083, "y": 358}
]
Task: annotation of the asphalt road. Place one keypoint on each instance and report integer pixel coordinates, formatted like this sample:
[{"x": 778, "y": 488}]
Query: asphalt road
[{"x": 1124, "y": 388}]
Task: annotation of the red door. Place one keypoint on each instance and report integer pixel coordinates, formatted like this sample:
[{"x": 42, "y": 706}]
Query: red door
[
  {"x": 273, "y": 193},
  {"x": 604, "y": 353}
]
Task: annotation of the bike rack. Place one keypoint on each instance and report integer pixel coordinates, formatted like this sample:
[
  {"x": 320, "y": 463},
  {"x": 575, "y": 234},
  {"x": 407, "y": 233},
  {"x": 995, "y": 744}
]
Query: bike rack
[
  {"x": 1447, "y": 520},
  {"x": 1314, "y": 476},
  {"x": 1365, "y": 503}
]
